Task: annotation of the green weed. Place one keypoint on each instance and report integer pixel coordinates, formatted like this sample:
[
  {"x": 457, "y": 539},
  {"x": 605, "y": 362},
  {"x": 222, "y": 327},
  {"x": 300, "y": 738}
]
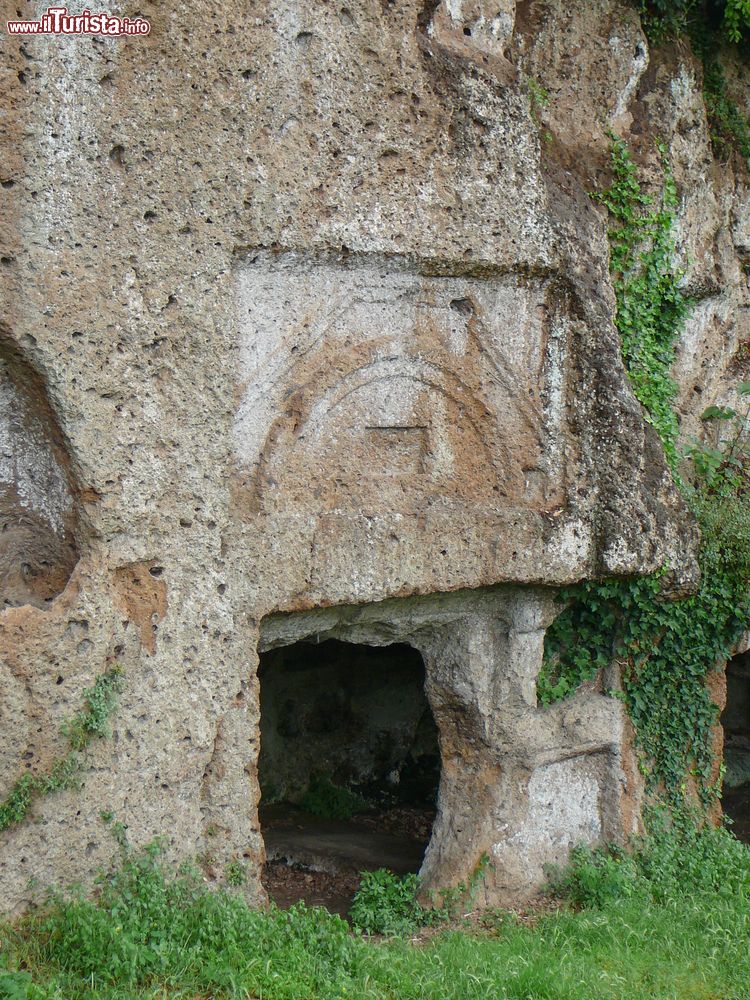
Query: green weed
[
  {"x": 538, "y": 99},
  {"x": 387, "y": 904},
  {"x": 90, "y": 723},
  {"x": 673, "y": 923},
  {"x": 651, "y": 307},
  {"x": 679, "y": 858},
  {"x": 145, "y": 926},
  {"x": 324, "y": 798},
  {"x": 235, "y": 874}
]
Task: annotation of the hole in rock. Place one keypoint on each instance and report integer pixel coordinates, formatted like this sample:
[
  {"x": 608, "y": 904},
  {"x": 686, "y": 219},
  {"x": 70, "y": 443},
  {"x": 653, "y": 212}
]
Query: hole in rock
[
  {"x": 736, "y": 722},
  {"x": 38, "y": 512},
  {"x": 349, "y": 767}
]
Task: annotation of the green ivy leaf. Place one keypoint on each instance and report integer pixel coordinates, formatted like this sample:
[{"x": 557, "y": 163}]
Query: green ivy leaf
[{"x": 718, "y": 413}]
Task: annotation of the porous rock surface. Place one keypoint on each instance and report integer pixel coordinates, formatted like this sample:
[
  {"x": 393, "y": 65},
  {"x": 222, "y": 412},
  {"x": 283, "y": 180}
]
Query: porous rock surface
[{"x": 306, "y": 312}]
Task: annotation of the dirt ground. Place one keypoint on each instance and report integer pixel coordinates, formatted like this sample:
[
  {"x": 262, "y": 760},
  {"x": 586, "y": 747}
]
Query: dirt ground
[{"x": 319, "y": 861}]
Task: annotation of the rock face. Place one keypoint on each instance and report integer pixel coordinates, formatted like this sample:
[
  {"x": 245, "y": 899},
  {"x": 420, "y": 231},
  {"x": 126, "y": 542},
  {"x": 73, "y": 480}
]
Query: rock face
[
  {"x": 516, "y": 783},
  {"x": 307, "y": 331}
]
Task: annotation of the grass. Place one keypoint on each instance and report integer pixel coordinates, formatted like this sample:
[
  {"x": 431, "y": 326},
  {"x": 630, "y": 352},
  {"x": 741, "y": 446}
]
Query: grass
[{"x": 670, "y": 921}]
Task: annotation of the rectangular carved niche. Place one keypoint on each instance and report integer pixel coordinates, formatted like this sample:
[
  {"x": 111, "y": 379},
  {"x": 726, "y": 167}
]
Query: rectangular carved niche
[{"x": 371, "y": 387}]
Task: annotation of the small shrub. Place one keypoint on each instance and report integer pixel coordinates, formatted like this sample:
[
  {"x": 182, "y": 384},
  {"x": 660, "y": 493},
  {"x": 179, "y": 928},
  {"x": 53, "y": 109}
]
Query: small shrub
[
  {"x": 710, "y": 25},
  {"x": 728, "y": 128},
  {"x": 596, "y": 877},
  {"x": 387, "y": 904},
  {"x": 330, "y": 801},
  {"x": 146, "y": 925},
  {"x": 235, "y": 874},
  {"x": 681, "y": 858},
  {"x": 664, "y": 19},
  {"x": 736, "y": 19},
  {"x": 676, "y": 861}
]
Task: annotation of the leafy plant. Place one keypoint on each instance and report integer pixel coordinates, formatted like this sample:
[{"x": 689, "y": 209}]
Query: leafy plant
[
  {"x": 679, "y": 858},
  {"x": 595, "y": 877},
  {"x": 736, "y": 19},
  {"x": 329, "y": 801},
  {"x": 235, "y": 874},
  {"x": 728, "y": 128},
  {"x": 669, "y": 18},
  {"x": 663, "y": 19},
  {"x": 90, "y": 723},
  {"x": 387, "y": 904},
  {"x": 709, "y": 24},
  {"x": 666, "y": 648},
  {"x": 538, "y": 99},
  {"x": 651, "y": 306},
  {"x": 149, "y": 934},
  {"x": 455, "y": 900},
  {"x": 145, "y": 923}
]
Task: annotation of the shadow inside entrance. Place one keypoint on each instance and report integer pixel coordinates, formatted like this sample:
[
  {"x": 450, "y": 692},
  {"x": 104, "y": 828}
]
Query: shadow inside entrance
[
  {"x": 735, "y": 720},
  {"x": 349, "y": 767}
]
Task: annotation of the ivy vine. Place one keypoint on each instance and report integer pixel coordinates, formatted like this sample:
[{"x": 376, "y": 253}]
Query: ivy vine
[
  {"x": 728, "y": 129},
  {"x": 711, "y": 27},
  {"x": 728, "y": 19},
  {"x": 651, "y": 306},
  {"x": 666, "y": 648},
  {"x": 91, "y": 722}
]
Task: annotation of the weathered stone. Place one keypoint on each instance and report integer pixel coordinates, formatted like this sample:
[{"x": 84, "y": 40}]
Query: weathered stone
[
  {"x": 37, "y": 506},
  {"x": 306, "y": 314},
  {"x": 518, "y": 783}
]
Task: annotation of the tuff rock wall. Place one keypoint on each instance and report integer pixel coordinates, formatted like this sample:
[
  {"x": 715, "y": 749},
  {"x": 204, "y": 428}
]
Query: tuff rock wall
[{"x": 307, "y": 307}]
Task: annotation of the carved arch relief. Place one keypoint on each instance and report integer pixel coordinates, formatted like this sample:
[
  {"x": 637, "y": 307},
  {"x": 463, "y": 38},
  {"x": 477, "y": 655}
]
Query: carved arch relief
[
  {"x": 37, "y": 510},
  {"x": 369, "y": 387}
]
